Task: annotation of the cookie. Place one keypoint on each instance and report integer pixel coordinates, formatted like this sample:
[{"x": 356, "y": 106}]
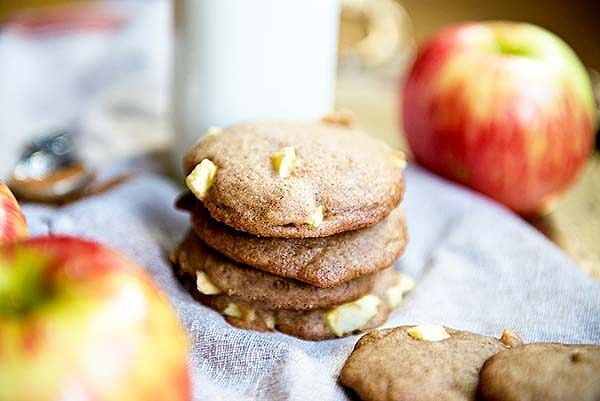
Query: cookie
[
  {"x": 549, "y": 372},
  {"x": 309, "y": 325},
  {"x": 394, "y": 364},
  {"x": 268, "y": 290},
  {"x": 322, "y": 262},
  {"x": 367, "y": 312},
  {"x": 295, "y": 180}
]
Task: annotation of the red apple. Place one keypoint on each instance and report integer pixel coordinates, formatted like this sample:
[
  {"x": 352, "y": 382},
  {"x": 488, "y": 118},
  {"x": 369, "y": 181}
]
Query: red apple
[
  {"x": 79, "y": 321},
  {"x": 12, "y": 221},
  {"x": 505, "y": 108}
]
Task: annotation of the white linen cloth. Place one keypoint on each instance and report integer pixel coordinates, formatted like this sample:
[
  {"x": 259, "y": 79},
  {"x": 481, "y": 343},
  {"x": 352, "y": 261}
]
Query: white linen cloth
[{"x": 478, "y": 267}]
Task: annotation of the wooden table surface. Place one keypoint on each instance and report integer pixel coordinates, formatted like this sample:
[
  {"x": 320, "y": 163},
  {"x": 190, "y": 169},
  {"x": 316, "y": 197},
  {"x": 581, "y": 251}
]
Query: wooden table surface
[{"x": 574, "y": 224}]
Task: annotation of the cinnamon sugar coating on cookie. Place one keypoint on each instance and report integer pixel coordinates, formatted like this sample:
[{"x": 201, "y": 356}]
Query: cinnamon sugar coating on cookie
[{"x": 343, "y": 171}]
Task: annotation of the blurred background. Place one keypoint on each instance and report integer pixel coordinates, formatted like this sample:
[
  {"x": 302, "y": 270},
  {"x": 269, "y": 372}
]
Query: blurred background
[
  {"x": 99, "y": 67},
  {"x": 575, "y": 21}
]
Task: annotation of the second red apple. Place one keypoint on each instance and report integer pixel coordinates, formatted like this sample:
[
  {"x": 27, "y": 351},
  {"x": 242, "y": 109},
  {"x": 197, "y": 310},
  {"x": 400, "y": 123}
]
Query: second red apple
[{"x": 504, "y": 108}]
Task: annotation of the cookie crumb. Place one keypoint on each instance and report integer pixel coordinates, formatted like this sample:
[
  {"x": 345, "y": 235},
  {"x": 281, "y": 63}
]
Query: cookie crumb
[
  {"x": 511, "y": 339},
  {"x": 344, "y": 118},
  {"x": 398, "y": 158}
]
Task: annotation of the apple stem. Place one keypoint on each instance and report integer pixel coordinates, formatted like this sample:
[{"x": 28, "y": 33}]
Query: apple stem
[{"x": 22, "y": 283}]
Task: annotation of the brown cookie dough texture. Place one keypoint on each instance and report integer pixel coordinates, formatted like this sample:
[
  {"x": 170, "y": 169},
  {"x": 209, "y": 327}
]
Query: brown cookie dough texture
[
  {"x": 306, "y": 325},
  {"x": 313, "y": 324},
  {"x": 549, "y": 372},
  {"x": 268, "y": 290},
  {"x": 353, "y": 179},
  {"x": 393, "y": 365},
  {"x": 322, "y": 262}
]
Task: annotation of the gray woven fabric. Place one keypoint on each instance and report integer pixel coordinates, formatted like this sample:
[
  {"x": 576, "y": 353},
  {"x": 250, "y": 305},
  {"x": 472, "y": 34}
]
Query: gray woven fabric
[{"x": 477, "y": 267}]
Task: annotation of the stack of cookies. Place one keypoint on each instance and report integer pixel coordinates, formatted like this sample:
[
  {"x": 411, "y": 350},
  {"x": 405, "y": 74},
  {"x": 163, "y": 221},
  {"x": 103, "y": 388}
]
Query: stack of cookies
[{"x": 295, "y": 227}]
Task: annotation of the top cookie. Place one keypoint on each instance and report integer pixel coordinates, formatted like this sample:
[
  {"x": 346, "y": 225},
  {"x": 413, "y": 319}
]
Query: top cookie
[
  {"x": 549, "y": 372},
  {"x": 295, "y": 180},
  {"x": 392, "y": 365}
]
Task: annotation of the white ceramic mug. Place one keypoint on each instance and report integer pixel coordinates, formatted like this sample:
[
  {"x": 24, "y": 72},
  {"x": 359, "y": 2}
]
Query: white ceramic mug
[{"x": 243, "y": 60}]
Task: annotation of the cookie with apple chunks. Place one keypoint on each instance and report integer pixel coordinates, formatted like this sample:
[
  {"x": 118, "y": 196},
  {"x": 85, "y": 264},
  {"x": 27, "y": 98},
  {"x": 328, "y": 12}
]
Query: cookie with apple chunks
[
  {"x": 307, "y": 325},
  {"x": 273, "y": 292},
  {"x": 425, "y": 362},
  {"x": 550, "y": 372},
  {"x": 366, "y": 312},
  {"x": 322, "y": 262},
  {"x": 295, "y": 180}
]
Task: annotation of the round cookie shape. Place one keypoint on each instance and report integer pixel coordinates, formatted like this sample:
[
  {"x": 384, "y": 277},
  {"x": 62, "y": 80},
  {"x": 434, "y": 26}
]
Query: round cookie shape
[
  {"x": 322, "y": 262},
  {"x": 542, "y": 371},
  {"x": 268, "y": 290},
  {"x": 307, "y": 325},
  {"x": 391, "y": 365},
  {"x": 339, "y": 179}
]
